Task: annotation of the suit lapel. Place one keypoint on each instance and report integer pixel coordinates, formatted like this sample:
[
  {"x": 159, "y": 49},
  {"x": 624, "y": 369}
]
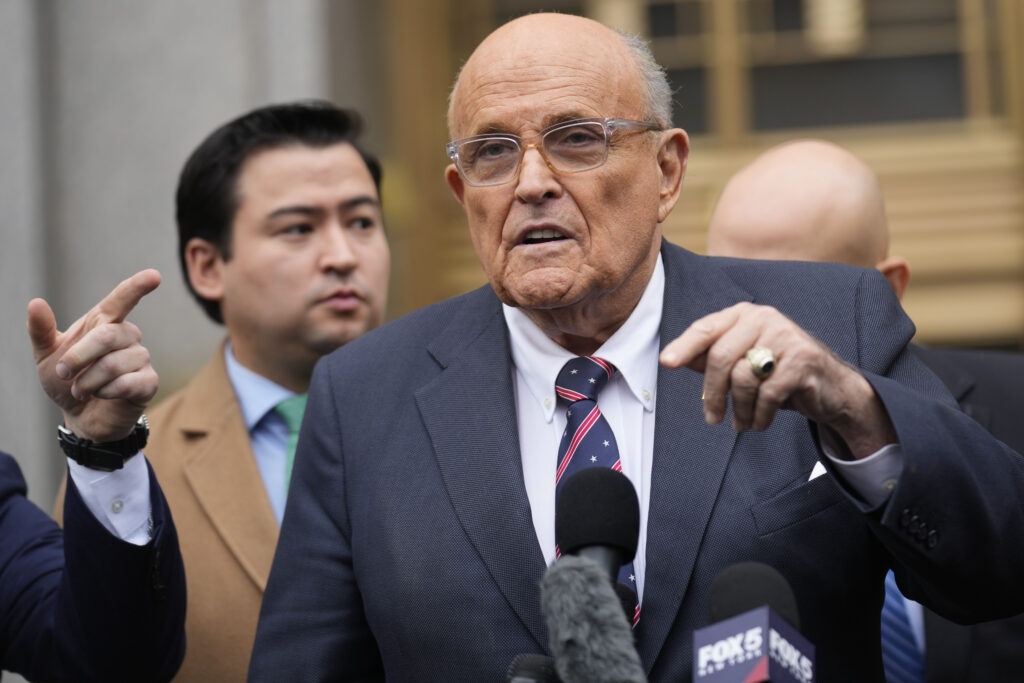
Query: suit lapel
[
  {"x": 223, "y": 475},
  {"x": 478, "y": 453},
  {"x": 690, "y": 456}
]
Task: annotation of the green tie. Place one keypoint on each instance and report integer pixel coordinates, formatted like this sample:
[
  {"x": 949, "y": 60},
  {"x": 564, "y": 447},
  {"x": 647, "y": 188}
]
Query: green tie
[{"x": 291, "y": 409}]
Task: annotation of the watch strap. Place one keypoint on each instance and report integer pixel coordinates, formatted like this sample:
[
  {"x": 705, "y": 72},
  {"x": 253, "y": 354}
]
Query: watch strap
[{"x": 106, "y": 456}]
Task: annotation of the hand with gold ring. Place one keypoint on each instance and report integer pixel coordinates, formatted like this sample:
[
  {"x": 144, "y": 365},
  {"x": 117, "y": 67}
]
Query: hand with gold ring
[{"x": 736, "y": 348}]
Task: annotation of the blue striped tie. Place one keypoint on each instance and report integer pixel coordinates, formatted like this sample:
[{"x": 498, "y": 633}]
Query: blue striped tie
[
  {"x": 901, "y": 658},
  {"x": 588, "y": 440}
]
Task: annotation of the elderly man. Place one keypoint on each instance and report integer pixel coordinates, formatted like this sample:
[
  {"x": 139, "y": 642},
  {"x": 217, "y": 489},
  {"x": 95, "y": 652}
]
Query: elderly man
[
  {"x": 812, "y": 200},
  {"x": 421, "y": 515}
]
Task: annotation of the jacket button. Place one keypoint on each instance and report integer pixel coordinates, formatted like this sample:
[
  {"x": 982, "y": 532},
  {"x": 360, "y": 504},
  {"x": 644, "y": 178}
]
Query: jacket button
[
  {"x": 933, "y": 538},
  {"x": 915, "y": 524},
  {"x": 905, "y": 517}
]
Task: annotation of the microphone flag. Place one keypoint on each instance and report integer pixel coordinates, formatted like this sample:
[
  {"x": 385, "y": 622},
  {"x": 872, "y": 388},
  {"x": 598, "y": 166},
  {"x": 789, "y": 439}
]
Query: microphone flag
[{"x": 757, "y": 646}]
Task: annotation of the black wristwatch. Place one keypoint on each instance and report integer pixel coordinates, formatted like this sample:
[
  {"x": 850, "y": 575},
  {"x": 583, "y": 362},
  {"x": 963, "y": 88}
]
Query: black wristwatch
[{"x": 107, "y": 456}]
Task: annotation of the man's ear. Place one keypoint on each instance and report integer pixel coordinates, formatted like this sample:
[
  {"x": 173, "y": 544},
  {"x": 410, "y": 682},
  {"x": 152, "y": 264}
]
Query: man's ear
[
  {"x": 673, "y": 152},
  {"x": 455, "y": 183},
  {"x": 897, "y": 271},
  {"x": 205, "y": 268}
]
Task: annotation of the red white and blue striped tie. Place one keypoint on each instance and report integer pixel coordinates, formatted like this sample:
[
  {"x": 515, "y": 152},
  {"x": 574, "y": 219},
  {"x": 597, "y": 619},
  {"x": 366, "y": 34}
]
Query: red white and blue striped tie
[{"x": 588, "y": 440}]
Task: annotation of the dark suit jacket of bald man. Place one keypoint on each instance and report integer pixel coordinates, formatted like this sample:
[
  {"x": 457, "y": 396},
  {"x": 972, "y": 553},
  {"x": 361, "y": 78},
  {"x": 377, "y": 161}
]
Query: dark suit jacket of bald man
[
  {"x": 82, "y": 605},
  {"x": 989, "y": 386},
  {"x": 408, "y": 549}
]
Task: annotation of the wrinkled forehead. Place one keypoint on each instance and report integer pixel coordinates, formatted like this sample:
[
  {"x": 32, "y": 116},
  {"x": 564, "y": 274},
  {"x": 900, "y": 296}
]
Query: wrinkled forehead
[{"x": 528, "y": 75}]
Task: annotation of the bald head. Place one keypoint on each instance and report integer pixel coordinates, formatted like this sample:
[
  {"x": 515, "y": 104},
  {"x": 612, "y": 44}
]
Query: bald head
[
  {"x": 523, "y": 46},
  {"x": 806, "y": 200}
]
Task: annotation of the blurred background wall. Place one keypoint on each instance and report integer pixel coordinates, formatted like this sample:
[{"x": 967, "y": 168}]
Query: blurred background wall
[{"x": 103, "y": 100}]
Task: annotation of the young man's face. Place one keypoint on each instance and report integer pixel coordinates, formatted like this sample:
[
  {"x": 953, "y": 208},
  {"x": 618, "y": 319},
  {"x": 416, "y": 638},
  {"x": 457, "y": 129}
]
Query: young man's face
[{"x": 309, "y": 259}]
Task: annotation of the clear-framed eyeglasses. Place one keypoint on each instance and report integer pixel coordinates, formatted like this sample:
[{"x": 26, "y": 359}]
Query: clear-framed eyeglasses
[{"x": 568, "y": 147}]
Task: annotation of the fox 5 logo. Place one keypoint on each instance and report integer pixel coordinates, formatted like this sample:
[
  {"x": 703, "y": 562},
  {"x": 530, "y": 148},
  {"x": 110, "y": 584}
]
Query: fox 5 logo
[
  {"x": 785, "y": 653},
  {"x": 730, "y": 651}
]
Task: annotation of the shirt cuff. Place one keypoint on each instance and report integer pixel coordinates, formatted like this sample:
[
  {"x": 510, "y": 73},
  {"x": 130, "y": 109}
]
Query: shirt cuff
[
  {"x": 873, "y": 477},
  {"x": 119, "y": 500}
]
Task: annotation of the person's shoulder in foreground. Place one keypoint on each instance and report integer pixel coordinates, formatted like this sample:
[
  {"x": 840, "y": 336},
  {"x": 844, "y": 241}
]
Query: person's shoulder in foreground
[
  {"x": 80, "y": 604},
  {"x": 988, "y": 384},
  {"x": 94, "y": 602}
]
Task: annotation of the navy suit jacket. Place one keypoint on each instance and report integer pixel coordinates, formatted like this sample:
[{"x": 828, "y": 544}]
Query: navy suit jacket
[
  {"x": 989, "y": 386},
  {"x": 82, "y": 605},
  {"x": 408, "y": 549}
]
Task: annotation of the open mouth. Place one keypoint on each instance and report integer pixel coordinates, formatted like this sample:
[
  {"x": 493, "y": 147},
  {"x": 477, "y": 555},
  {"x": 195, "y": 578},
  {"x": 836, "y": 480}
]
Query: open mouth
[{"x": 543, "y": 235}]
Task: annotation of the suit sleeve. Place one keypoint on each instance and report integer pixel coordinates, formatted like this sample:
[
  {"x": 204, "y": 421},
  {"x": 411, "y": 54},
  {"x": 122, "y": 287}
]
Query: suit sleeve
[
  {"x": 83, "y": 605},
  {"x": 312, "y": 626},
  {"x": 954, "y": 524}
]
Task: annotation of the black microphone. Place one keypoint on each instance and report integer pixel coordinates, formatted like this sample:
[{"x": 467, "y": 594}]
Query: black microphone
[
  {"x": 597, "y": 516},
  {"x": 754, "y": 633},
  {"x": 597, "y": 522},
  {"x": 587, "y": 630},
  {"x": 743, "y": 586}
]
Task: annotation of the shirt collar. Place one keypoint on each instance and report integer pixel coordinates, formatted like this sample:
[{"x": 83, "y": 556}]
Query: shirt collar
[
  {"x": 632, "y": 349},
  {"x": 256, "y": 394}
]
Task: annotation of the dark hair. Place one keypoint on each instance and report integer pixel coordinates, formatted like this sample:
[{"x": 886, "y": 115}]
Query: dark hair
[{"x": 207, "y": 196}]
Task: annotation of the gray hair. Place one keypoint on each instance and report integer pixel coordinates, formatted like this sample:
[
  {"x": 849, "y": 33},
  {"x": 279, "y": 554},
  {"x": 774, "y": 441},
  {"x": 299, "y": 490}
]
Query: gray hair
[{"x": 656, "y": 90}]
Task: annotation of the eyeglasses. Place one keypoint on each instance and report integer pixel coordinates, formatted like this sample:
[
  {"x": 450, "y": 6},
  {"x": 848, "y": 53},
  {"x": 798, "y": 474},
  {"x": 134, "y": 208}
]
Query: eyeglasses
[{"x": 569, "y": 147}]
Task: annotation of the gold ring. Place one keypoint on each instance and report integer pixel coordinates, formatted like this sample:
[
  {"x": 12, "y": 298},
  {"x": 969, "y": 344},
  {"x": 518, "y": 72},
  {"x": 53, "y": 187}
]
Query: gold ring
[{"x": 761, "y": 360}]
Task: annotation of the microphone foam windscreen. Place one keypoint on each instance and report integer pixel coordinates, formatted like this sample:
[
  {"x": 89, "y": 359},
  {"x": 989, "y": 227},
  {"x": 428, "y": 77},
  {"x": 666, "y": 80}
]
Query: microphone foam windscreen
[
  {"x": 589, "y": 636},
  {"x": 744, "y": 586},
  {"x": 531, "y": 668},
  {"x": 597, "y": 506}
]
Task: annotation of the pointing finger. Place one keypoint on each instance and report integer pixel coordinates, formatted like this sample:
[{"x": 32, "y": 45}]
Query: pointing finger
[
  {"x": 120, "y": 302},
  {"x": 689, "y": 348}
]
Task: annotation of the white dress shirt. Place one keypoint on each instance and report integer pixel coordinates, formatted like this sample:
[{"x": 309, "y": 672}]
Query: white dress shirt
[
  {"x": 119, "y": 500},
  {"x": 628, "y": 403}
]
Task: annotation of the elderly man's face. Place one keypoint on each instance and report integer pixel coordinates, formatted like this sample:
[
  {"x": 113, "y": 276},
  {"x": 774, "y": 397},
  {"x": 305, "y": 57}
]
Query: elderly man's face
[{"x": 548, "y": 239}]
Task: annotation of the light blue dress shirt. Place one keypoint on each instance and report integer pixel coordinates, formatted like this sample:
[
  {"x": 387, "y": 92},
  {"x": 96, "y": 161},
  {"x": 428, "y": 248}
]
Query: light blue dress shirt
[{"x": 268, "y": 432}]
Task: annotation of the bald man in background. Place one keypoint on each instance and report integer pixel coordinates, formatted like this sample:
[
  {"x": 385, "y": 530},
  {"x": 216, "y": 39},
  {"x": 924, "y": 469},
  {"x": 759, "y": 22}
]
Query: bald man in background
[{"x": 810, "y": 200}]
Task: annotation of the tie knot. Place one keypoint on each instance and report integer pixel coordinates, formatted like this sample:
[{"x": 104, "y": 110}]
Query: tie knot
[
  {"x": 291, "y": 409},
  {"x": 582, "y": 377}
]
